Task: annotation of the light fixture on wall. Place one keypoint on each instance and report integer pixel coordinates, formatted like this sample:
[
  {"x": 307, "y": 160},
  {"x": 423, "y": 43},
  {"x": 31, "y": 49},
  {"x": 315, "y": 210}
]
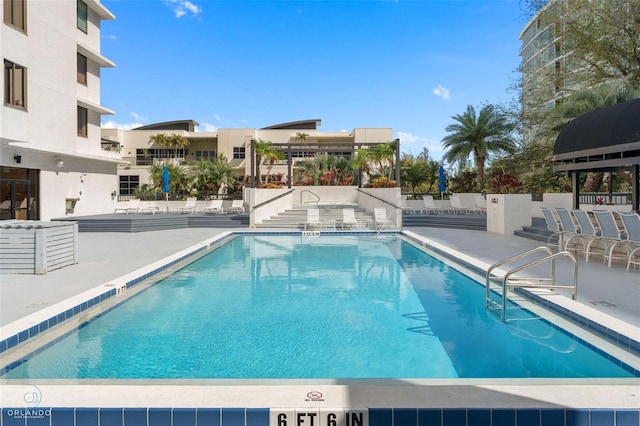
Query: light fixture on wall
[
  {"x": 59, "y": 162},
  {"x": 17, "y": 159}
]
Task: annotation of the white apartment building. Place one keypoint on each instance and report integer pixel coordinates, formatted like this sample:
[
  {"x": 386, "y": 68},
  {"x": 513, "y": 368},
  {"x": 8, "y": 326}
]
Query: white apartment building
[
  {"x": 51, "y": 158},
  {"x": 234, "y": 144}
]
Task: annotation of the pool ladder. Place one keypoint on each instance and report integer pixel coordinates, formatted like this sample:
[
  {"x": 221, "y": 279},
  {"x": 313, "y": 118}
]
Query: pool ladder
[{"x": 508, "y": 281}]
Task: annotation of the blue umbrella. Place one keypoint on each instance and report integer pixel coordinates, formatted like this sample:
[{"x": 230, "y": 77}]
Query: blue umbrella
[
  {"x": 165, "y": 179},
  {"x": 442, "y": 182}
]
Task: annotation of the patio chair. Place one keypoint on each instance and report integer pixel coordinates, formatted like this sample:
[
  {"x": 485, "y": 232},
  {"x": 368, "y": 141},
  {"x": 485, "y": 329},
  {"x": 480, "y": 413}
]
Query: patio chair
[
  {"x": 214, "y": 207},
  {"x": 189, "y": 206},
  {"x": 380, "y": 218},
  {"x": 152, "y": 208},
  {"x": 570, "y": 229},
  {"x": 631, "y": 223},
  {"x": 456, "y": 205},
  {"x": 611, "y": 233},
  {"x": 429, "y": 205},
  {"x": 481, "y": 204},
  {"x": 130, "y": 206},
  {"x": 349, "y": 218},
  {"x": 552, "y": 225},
  {"x": 593, "y": 233},
  {"x": 313, "y": 219},
  {"x": 237, "y": 206}
]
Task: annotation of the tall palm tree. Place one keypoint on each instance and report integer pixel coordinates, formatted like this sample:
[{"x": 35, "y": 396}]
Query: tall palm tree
[
  {"x": 360, "y": 163},
  {"x": 384, "y": 153},
  {"x": 479, "y": 135},
  {"x": 221, "y": 173},
  {"x": 265, "y": 150}
]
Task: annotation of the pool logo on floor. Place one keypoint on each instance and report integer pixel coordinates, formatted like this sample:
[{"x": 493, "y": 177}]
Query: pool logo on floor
[{"x": 314, "y": 396}]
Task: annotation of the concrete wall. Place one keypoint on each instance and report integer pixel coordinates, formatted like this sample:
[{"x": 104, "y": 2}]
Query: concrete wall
[
  {"x": 257, "y": 196},
  {"x": 507, "y": 213},
  {"x": 390, "y": 195}
]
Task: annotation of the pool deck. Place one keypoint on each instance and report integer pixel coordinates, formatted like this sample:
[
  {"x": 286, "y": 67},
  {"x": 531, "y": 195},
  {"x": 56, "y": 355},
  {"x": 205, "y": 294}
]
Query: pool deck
[{"x": 612, "y": 294}]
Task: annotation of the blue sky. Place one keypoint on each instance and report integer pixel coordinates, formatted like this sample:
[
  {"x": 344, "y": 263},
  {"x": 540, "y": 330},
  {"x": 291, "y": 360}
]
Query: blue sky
[{"x": 408, "y": 65}]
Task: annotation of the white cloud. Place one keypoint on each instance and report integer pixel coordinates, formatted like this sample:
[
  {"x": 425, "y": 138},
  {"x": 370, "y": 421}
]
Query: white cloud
[
  {"x": 109, "y": 36},
  {"x": 217, "y": 117},
  {"x": 206, "y": 127},
  {"x": 182, "y": 7},
  {"x": 139, "y": 117},
  {"x": 414, "y": 145},
  {"x": 442, "y": 92},
  {"x": 121, "y": 126}
]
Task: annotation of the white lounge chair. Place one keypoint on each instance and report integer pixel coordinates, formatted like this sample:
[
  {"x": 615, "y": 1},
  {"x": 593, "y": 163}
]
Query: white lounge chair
[
  {"x": 610, "y": 232},
  {"x": 552, "y": 225},
  {"x": 189, "y": 206},
  {"x": 237, "y": 206},
  {"x": 631, "y": 223},
  {"x": 571, "y": 231},
  {"x": 380, "y": 218},
  {"x": 313, "y": 219},
  {"x": 481, "y": 204},
  {"x": 349, "y": 218},
  {"x": 456, "y": 205},
  {"x": 429, "y": 205},
  {"x": 214, "y": 207},
  {"x": 130, "y": 206},
  {"x": 152, "y": 208}
]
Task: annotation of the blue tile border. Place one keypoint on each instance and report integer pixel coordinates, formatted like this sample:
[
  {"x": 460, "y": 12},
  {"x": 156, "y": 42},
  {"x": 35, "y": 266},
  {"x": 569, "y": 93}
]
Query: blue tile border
[{"x": 155, "y": 416}]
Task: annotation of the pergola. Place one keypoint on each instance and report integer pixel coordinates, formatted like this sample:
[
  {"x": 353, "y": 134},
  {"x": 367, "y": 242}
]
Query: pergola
[{"x": 605, "y": 140}]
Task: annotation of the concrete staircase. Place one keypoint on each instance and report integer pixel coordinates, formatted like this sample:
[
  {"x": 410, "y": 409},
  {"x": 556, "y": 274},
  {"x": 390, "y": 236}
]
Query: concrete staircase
[
  {"x": 297, "y": 216},
  {"x": 477, "y": 222},
  {"x": 537, "y": 231}
]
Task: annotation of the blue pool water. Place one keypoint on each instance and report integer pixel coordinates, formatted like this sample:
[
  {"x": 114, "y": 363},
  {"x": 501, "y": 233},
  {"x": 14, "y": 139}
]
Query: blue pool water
[{"x": 291, "y": 306}]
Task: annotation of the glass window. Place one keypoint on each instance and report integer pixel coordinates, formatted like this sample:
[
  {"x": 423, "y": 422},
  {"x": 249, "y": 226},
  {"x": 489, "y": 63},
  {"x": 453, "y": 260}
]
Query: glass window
[
  {"x": 15, "y": 84},
  {"x": 205, "y": 155},
  {"x": 82, "y": 69},
  {"x": 15, "y": 13},
  {"x": 82, "y": 122},
  {"x": 129, "y": 184},
  {"x": 146, "y": 157},
  {"x": 82, "y": 16},
  {"x": 238, "y": 152}
]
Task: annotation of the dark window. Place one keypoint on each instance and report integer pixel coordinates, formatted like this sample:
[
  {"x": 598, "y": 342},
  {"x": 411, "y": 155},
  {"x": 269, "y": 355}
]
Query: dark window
[
  {"x": 82, "y": 16},
  {"x": 15, "y": 84},
  {"x": 206, "y": 155},
  {"x": 82, "y": 122},
  {"x": 82, "y": 69},
  {"x": 238, "y": 152},
  {"x": 15, "y": 13},
  {"x": 145, "y": 157},
  {"x": 129, "y": 184}
]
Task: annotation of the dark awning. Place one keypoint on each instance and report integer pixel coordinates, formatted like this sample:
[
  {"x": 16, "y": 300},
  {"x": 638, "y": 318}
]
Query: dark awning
[{"x": 602, "y": 139}]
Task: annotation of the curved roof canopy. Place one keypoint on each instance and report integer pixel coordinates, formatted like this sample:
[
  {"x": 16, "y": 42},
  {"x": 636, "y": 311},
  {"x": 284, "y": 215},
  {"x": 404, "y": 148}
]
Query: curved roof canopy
[
  {"x": 602, "y": 139},
  {"x": 292, "y": 125},
  {"x": 188, "y": 125}
]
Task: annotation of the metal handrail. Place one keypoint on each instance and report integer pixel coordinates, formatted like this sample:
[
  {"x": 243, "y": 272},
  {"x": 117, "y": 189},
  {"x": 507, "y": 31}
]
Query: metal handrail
[
  {"x": 310, "y": 192},
  {"x": 530, "y": 282},
  {"x": 257, "y": 206},
  {"x": 379, "y": 199}
]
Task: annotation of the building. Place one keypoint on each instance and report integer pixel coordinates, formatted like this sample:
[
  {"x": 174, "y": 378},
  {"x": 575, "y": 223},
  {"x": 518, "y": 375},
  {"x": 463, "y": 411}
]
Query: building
[
  {"x": 51, "y": 157},
  {"x": 234, "y": 144}
]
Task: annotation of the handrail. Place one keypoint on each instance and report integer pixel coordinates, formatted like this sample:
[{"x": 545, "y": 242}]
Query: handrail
[
  {"x": 310, "y": 192},
  {"x": 379, "y": 199},
  {"x": 277, "y": 197},
  {"x": 530, "y": 282}
]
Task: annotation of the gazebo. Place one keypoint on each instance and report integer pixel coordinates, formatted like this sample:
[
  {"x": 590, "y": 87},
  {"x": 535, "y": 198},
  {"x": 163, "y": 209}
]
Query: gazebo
[{"x": 605, "y": 140}]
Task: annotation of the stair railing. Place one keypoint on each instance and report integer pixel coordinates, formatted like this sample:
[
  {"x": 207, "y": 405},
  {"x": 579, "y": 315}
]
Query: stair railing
[{"x": 310, "y": 192}]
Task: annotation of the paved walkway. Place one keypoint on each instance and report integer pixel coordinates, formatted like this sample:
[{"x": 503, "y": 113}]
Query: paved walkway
[{"x": 105, "y": 256}]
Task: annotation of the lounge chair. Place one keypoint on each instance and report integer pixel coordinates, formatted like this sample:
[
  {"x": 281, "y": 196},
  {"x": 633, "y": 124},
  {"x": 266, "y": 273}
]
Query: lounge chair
[
  {"x": 456, "y": 205},
  {"x": 570, "y": 229},
  {"x": 552, "y": 225},
  {"x": 313, "y": 219},
  {"x": 610, "y": 232},
  {"x": 429, "y": 205},
  {"x": 588, "y": 230},
  {"x": 481, "y": 204},
  {"x": 380, "y": 218},
  {"x": 349, "y": 218},
  {"x": 214, "y": 207},
  {"x": 237, "y": 206},
  {"x": 631, "y": 223},
  {"x": 189, "y": 206},
  {"x": 130, "y": 206},
  {"x": 152, "y": 208}
]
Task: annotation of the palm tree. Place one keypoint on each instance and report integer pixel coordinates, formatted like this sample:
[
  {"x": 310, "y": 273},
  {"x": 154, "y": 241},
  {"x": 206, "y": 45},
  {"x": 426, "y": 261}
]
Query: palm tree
[
  {"x": 360, "y": 163},
  {"x": 384, "y": 153},
  {"x": 172, "y": 141},
  {"x": 221, "y": 173},
  {"x": 265, "y": 150},
  {"x": 479, "y": 135}
]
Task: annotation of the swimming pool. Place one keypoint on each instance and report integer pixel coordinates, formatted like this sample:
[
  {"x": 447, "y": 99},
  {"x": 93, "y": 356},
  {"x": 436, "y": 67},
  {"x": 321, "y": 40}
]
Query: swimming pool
[{"x": 357, "y": 307}]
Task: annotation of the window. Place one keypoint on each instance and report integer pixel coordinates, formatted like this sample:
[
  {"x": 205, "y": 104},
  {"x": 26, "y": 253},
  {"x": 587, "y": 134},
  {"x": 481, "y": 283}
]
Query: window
[
  {"x": 129, "y": 184},
  {"x": 15, "y": 85},
  {"x": 82, "y": 122},
  {"x": 145, "y": 157},
  {"x": 238, "y": 152},
  {"x": 205, "y": 155},
  {"x": 82, "y": 69},
  {"x": 82, "y": 16},
  {"x": 15, "y": 13}
]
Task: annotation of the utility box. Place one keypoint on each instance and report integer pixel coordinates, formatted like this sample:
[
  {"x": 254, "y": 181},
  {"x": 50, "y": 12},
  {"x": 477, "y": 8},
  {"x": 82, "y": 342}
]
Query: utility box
[{"x": 34, "y": 247}]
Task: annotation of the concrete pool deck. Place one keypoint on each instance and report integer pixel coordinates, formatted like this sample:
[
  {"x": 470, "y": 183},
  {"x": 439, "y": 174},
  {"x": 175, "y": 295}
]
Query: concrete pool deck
[{"x": 611, "y": 293}]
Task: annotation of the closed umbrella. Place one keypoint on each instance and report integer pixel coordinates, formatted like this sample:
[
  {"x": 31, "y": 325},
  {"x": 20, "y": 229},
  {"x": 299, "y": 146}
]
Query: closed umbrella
[
  {"x": 442, "y": 184},
  {"x": 165, "y": 182}
]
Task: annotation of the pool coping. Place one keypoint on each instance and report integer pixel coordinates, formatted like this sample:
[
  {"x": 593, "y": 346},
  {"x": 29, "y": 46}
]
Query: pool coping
[{"x": 611, "y": 393}]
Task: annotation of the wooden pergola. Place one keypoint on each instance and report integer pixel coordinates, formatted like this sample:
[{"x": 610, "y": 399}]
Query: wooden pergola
[
  {"x": 324, "y": 147},
  {"x": 605, "y": 140}
]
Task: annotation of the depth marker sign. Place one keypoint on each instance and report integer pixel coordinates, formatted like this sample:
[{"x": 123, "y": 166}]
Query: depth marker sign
[{"x": 318, "y": 417}]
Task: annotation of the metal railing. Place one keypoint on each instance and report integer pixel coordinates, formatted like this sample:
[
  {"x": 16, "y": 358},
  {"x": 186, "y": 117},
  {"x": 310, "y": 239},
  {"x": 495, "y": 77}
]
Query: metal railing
[
  {"x": 507, "y": 282},
  {"x": 310, "y": 192},
  {"x": 277, "y": 197}
]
